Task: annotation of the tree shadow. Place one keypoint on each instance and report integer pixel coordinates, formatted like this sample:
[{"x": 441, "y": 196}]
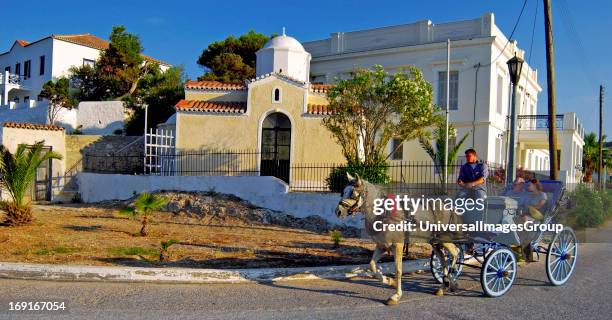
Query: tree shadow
[{"x": 83, "y": 228}]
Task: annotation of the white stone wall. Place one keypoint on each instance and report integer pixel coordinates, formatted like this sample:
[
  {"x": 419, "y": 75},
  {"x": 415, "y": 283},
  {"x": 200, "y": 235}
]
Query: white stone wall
[
  {"x": 266, "y": 192},
  {"x": 100, "y": 117},
  {"x": 96, "y": 117}
]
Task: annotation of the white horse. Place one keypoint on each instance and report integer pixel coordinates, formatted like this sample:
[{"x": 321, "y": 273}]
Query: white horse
[{"x": 359, "y": 196}]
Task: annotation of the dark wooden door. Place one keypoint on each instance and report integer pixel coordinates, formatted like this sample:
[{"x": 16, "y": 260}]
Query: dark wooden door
[
  {"x": 276, "y": 146},
  {"x": 41, "y": 186}
]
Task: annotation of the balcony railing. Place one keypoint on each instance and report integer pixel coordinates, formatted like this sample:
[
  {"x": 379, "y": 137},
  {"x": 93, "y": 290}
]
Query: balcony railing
[
  {"x": 14, "y": 79},
  {"x": 11, "y": 78},
  {"x": 537, "y": 122}
]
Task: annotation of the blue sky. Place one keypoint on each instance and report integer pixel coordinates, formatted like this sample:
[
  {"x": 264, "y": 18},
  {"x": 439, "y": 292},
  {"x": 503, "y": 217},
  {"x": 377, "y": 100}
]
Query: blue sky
[{"x": 177, "y": 31}]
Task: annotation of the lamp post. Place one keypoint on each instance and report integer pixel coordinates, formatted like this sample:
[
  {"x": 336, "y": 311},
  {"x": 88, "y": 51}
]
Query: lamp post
[{"x": 515, "y": 65}]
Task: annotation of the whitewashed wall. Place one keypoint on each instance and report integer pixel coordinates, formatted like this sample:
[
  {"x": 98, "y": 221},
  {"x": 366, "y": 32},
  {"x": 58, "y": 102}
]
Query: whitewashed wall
[
  {"x": 423, "y": 44},
  {"x": 265, "y": 192},
  {"x": 96, "y": 117},
  {"x": 100, "y": 117},
  {"x": 19, "y": 54}
]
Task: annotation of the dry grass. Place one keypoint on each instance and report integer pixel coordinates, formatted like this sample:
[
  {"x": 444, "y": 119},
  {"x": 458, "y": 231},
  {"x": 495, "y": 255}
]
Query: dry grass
[{"x": 85, "y": 235}]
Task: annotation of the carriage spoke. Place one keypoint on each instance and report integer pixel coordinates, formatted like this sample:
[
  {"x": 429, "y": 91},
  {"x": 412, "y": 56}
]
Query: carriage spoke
[
  {"x": 563, "y": 272},
  {"x": 489, "y": 281},
  {"x": 554, "y": 270}
]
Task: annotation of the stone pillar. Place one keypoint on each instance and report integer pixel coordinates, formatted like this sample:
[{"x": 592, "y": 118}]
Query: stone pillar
[{"x": 4, "y": 89}]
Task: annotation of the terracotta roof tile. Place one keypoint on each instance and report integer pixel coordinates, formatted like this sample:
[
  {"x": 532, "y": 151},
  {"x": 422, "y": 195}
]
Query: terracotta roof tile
[
  {"x": 320, "y": 88},
  {"x": 214, "y": 85},
  {"x": 89, "y": 40},
  {"x": 211, "y": 106},
  {"x": 319, "y": 109},
  {"x": 32, "y": 126}
]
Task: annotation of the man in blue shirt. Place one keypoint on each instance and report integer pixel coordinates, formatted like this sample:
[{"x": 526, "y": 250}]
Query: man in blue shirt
[{"x": 472, "y": 177}]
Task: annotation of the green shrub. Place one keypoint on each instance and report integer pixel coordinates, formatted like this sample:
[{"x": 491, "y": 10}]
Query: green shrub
[
  {"x": 336, "y": 237},
  {"x": 606, "y": 198},
  {"x": 163, "y": 249},
  {"x": 588, "y": 208},
  {"x": 377, "y": 174}
]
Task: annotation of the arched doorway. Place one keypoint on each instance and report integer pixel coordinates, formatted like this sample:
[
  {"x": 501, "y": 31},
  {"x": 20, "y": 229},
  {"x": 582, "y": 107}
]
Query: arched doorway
[{"x": 276, "y": 146}]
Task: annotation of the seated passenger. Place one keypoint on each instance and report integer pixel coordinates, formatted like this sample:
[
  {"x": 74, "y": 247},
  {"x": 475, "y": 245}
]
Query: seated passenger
[
  {"x": 533, "y": 201},
  {"x": 517, "y": 190}
]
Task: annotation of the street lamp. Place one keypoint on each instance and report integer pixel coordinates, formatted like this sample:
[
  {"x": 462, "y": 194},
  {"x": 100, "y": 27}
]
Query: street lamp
[{"x": 515, "y": 65}]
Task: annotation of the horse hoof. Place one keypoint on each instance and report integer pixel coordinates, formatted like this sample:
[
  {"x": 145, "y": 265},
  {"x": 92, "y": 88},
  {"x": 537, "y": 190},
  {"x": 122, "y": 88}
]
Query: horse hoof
[
  {"x": 454, "y": 286},
  {"x": 439, "y": 292},
  {"x": 391, "y": 302}
]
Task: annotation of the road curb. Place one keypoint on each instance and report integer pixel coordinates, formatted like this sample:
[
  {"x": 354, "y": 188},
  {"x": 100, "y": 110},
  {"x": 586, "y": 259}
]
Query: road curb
[{"x": 10, "y": 270}]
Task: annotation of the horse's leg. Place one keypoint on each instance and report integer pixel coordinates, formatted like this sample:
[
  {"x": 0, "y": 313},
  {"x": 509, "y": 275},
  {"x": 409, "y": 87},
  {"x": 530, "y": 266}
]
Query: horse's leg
[
  {"x": 378, "y": 252},
  {"x": 399, "y": 254},
  {"x": 439, "y": 253},
  {"x": 454, "y": 252}
]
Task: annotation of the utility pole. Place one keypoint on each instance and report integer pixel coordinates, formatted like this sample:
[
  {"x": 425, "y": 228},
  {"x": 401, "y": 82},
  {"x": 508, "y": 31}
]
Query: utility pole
[
  {"x": 550, "y": 79},
  {"x": 447, "y": 119},
  {"x": 600, "y": 151}
]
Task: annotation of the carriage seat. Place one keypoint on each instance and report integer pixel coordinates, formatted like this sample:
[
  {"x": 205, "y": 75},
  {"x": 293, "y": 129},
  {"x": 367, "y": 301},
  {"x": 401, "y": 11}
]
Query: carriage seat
[{"x": 502, "y": 210}]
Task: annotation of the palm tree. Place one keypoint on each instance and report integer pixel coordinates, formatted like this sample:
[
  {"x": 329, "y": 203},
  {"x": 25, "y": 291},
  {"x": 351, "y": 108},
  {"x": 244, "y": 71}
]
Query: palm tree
[
  {"x": 591, "y": 156},
  {"x": 144, "y": 205},
  {"x": 17, "y": 172},
  {"x": 437, "y": 154}
]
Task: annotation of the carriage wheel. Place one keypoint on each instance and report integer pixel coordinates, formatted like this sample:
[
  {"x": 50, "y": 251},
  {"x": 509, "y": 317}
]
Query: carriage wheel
[
  {"x": 561, "y": 256},
  {"x": 498, "y": 272},
  {"x": 435, "y": 265}
]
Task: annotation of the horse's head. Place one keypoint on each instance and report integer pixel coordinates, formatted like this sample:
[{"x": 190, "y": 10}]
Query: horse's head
[{"x": 351, "y": 198}]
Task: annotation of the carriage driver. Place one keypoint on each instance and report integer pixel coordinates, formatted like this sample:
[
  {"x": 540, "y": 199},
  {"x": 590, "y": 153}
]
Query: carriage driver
[{"x": 472, "y": 177}]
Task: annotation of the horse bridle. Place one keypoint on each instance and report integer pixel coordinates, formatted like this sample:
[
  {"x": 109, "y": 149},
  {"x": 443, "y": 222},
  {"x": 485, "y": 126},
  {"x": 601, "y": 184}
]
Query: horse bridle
[{"x": 359, "y": 200}]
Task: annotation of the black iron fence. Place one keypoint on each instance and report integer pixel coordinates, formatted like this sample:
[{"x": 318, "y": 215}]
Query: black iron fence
[
  {"x": 538, "y": 122},
  {"x": 402, "y": 177}
]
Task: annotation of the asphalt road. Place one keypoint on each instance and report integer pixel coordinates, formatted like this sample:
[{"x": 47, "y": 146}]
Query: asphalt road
[{"x": 587, "y": 295}]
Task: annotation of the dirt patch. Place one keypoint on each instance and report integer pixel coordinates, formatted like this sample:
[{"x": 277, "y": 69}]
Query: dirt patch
[{"x": 213, "y": 231}]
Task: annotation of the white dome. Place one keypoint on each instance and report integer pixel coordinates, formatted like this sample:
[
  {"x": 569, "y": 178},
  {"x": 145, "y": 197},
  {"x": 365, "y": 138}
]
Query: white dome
[{"x": 284, "y": 42}]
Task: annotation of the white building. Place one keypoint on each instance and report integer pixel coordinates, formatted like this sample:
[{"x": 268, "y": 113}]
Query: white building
[
  {"x": 27, "y": 66},
  {"x": 479, "y": 85}
]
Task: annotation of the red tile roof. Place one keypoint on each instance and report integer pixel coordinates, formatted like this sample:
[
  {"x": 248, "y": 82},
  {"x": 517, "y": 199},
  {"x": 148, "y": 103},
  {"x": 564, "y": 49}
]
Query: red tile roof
[
  {"x": 87, "y": 40},
  {"x": 320, "y": 88},
  {"x": 319, "y": 109},
  {"x": 211, "y": 106},
  {"x": 214, "y": 85},
  {"x": 32, "y": 126}
]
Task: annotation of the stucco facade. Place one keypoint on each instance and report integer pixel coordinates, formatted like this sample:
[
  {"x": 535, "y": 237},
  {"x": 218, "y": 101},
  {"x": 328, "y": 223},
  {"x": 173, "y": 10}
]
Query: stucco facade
[
  {"x": 311, "y": 142},
  {"x": 276, "y": 118},
  {"x": 481, "y": 87},
  {"x": 54, "y": 138}
]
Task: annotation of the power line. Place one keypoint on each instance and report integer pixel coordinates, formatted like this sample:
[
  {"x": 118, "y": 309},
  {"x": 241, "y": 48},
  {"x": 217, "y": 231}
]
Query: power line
[
  {"x": 510, "y": 37},
  {"x": 535, "y": 19}
]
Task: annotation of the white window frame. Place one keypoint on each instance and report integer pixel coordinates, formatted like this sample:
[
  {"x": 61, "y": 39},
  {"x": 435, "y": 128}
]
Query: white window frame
[
  {"x": 400, "y": 150},
  {"x": 89, "y": 62},
  {"x": 439, "y": 94},
  {"x": 280, "y": 95}
]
